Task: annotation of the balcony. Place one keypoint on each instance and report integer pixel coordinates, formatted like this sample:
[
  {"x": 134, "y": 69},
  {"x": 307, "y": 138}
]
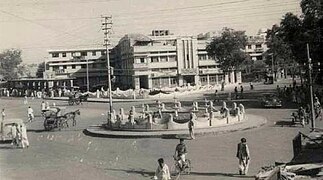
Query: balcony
[
  {"x": 140, "y": 66},
  {"x": 165, "y": 73},
  {"x": 207, "y": 62},
  {"x": 162, "y": 64},
  {"x": 145, "y": 49},
  {"x": 210, "y": 71},
  {"x": 192, "y": 71}
]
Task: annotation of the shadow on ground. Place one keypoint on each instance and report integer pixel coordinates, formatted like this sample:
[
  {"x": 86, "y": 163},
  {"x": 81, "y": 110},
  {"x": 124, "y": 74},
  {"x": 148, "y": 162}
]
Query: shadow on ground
[
  {"x": 142, "y": 172},
  {"x": 220, "y": 174}
]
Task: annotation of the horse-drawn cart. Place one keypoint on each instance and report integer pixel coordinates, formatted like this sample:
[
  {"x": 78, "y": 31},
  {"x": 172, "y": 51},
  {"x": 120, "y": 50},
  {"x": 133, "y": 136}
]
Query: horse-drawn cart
[
  {"x": 55, "y": 118},
  {"x": 77, "y": 98}
]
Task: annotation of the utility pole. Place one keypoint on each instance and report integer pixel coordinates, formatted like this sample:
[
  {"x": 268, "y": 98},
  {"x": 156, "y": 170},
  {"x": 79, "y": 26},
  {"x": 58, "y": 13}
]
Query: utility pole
[
  {"x": 311, "y": 86},
  {"x": 272, "y": 66},
  {"x": 87, "y": 76},
  {"x": 107, "y": 26}
]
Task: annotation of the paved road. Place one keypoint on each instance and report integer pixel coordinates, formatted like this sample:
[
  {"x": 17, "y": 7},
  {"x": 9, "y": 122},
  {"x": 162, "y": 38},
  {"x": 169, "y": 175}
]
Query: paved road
[{"x": 69, "y": 154}]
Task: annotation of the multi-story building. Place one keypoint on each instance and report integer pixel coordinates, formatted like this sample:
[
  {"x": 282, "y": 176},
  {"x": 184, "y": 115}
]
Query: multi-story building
[
  {"x": 164, "y": 60},
  {"x": 256, "y": 45},
  {"x": 75, "y": 65}
]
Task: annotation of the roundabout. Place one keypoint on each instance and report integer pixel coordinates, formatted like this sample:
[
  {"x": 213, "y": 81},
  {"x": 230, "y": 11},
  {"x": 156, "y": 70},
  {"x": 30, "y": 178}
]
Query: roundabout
[{"x": 172, "y": 122}]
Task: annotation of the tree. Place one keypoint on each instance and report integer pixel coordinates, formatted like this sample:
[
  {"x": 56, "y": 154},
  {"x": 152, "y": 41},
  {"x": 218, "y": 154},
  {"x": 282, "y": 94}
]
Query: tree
[
  {"x": 279, "y": 53},
  {"x": 228, "y": 48},
  {"x": 9, "y": 61},
  {"x": 40, "y": 70},
  {"x": 27, "y": 70}
]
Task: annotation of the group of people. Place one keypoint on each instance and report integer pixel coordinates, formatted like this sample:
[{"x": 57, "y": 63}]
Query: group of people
[
  {"x": 163, "y": 173},
  {"x": 236, "y": 93},
  {"x": 19, "y": 135}
]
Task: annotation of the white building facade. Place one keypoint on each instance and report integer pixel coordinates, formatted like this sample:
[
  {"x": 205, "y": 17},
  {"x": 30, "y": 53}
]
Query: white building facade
[
  {"x": 75, "y": 65},
  {"x": 256, "y": 45},
  {"x": 164, "y": 60}
]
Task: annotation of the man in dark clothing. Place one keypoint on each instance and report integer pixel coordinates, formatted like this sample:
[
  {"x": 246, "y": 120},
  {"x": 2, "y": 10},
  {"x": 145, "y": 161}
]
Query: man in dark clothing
[
  {"x": 241, "y": 92},
  {"x": 244, "y": 156},
  {"x": 180, "y": 153}
]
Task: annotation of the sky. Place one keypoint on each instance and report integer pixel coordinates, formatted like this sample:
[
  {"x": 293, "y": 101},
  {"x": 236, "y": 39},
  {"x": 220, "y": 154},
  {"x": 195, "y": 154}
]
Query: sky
[{"x": 35, "y": 26}]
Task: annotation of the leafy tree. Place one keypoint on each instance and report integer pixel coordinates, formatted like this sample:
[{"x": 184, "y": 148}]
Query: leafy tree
[
  {"x": 280, "y": 53},
  {"x": 228, "y": 48},
  {"x": 40, "y": 69},
  {"x": 27, "y": 70},
  {"x": 9, "y": 61}
]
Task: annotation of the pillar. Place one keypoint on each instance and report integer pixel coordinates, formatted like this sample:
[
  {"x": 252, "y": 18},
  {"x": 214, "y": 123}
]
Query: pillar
[
  {"x": 197, "y": 80},
  {"x": 239, "y": 77},
  {"x": 217, "y": 79},
  {"x": 71, "y": 81},
  {"x": 150, "y": 83},
  {"x": 226, "y": 78},
  {"x": 136, "y": 83},
  {"x": 208, "y": 80},
  {"x": 180, "y": 80},
  {"x": 232, "y": 79}
]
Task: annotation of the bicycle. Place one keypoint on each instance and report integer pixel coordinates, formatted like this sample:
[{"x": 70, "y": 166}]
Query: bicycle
[{"x": 178, "y": 170}]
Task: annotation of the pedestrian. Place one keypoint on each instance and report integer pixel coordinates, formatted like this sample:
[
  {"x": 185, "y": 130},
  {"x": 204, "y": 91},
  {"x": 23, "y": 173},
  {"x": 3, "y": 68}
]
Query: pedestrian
[
  {"x": 30, "y": 114},
  {"x": 25, "y": 100},
  {"x": 251, "y": 86},
  {"x": 241, "y": 92},
  {"x": 43, "y": 107},
  {"x": 162, "y": 171},
  {"x": 216, "y": 96},
  {"x": 24, "y": 138},
  {"x": 14, "y": 134},
  {"x": 191, "y": 125},
  {"x": 236, "y": 92},
  {"x": 244, "y": 156},
  {"x": 3, "y": 115}
]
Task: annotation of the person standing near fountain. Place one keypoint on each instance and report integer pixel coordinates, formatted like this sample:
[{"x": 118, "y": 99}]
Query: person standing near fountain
[{"x": 191, "y": 125}]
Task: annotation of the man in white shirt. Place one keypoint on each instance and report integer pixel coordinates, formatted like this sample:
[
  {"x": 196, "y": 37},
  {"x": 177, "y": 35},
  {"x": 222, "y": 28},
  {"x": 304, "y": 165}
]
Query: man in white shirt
[{"x": 30, "y": 113}]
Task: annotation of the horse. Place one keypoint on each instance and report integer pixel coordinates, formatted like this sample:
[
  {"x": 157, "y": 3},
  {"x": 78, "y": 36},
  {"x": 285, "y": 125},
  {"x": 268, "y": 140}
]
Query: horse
[
  {"x": 83, "y": 98},
  {"x": 71, "y": 116}
]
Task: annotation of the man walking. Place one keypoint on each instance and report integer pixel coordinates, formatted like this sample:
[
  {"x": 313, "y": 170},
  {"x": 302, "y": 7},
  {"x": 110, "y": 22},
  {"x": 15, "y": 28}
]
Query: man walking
[
  {"x": 243, "y": 156},
  {"x": 3, "y": 115},
  {"x": 191, "y": 125},
  {"x": 30, "y": 114}
]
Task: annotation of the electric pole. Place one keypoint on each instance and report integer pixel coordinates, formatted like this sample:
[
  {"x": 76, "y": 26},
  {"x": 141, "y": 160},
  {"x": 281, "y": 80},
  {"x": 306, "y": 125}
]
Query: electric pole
[
  {"x": 107, "y": 27},
  {"x": 311, "y": 86}
]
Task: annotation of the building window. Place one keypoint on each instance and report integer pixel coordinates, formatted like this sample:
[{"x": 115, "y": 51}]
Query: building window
[
  {"x": 154, "y": 59},
  {"x": 173, "y": 81},
  {"x": 212, "y": 78},
  {"x": 142, "y": 60},
  {"x": 202, "y": 57},
  {"x": 55, "y": 55},
  {"x": 171, "y": 58},
  {"x": 93, "y": 53},
  {"x": 249, "y": 46},
  {"x": 83, "y": 53},
  {"x": 258, "y": 45},
  {"x": 73, "y": 66},
  {"x": 64, "y": 67},
  {"x": 203, "y": 79},
  {"x": 64, "y": 54},
  {"x": 102, "y": 52},
  {"x": 163, "y": 58},
  {"x": 83, "y": 66}
]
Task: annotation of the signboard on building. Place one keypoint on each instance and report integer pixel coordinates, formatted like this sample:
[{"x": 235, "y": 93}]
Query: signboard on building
[{"x": 192, "y": 71}]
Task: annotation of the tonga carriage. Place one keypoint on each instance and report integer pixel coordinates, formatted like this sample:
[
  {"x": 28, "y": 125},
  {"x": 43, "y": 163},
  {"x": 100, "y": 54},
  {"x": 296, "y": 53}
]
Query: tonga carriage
[
  {"x": 6, "y": 126},
  {"x": 77, "y": 99},
  {"x": 53, "y": 118}
]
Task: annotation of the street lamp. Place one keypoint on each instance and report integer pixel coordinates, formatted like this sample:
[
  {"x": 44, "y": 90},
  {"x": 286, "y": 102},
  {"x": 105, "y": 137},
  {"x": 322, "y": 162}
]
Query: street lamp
[
  {"x": 87, "y": 76},
  {"x": 311, "y": 87}
]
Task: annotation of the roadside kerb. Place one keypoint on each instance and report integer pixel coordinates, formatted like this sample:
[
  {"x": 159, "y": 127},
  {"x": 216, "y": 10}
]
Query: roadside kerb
[{"x": 252, "y": 121}]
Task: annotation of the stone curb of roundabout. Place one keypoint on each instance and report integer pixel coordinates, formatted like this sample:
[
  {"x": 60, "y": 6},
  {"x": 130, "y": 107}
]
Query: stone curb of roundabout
[{"x": 251, "y": 121}]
